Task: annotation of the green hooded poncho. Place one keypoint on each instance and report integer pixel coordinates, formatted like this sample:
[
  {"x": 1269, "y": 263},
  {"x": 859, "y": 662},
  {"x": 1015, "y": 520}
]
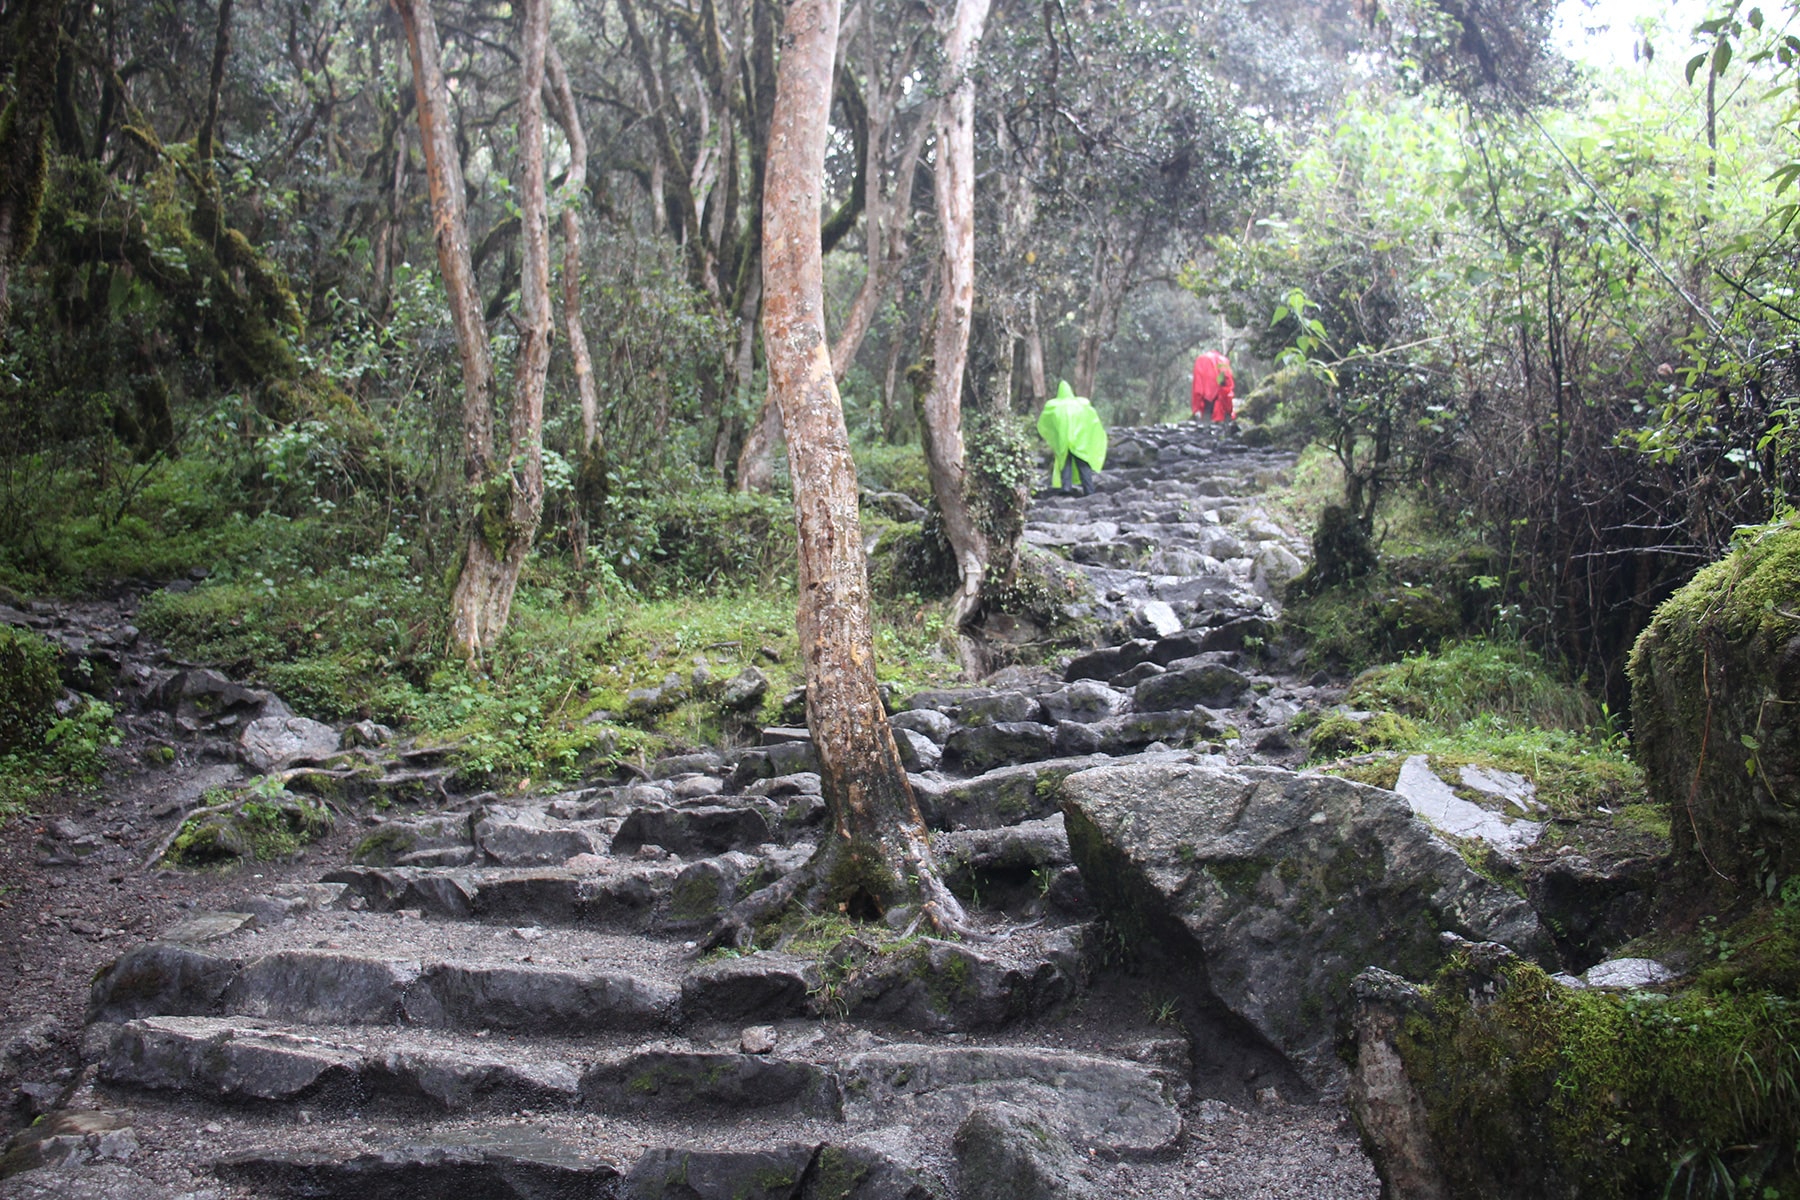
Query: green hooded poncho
[{"x": 1071, "y": 426}]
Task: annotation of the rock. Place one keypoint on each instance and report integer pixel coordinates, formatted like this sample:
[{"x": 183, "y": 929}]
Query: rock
[
  {"x": 1020, "y": 850},
  {"x": 322, "y": 987},
  {"x": 987, "y": 746},
  {"x": 943, "y": 986},
  {"x": 897, "y": 505},
  {"x": 745, "y": 690},
  {"x": 1718, "y": 661},
  {"x": 1096, "y": 1103},
  {"x": 649, "y": 702},
  {"x": 764, "y": 985},
  {"x": 719, "y": 1174},
  {"x": 1589, "y": 908},
  {"x": 219, "y": 1059},
  {"x": 1433, "y": 800},
  {"x": 1506, "y": 785},
  {"x": 524, "y": 837},
  {"x": 1005, "y": 1152},
  {"x": 670, "y": 1080},
  {"x": 1627, "y": 974},
  {"x": 917, "y": 752},
  {"x": 757, "y": 1039},
  {"x": 101, "y": 1181},
  {"x": 933, "y": 724},
  {"x": 1085, "y": 701},
  {"x": 367, "y": 733},
  {"x": 158, "y": 978},
  {"x": 526, "y": 998},
  {"x": 1003, "y": 796},
  {"x": 1210, "y": 685},
  {"x": 704, "y": 762},
  {"x": 1001, "y": 708},
  {"x": 1276, "y": 567},
  {"x": 269, "y": 742},
  {"x": 1237, "y": 634},
  {"x": 1154, "y": 618},
  {"x": 703, "y": 829},
  {"x": 500, "y": 1163},
  {"x": 1283, "y": 886},
  {"x": 204, "y": 927},
  {"x": 70, "y": 1139},
  {"x": 1383, "y": 1101}
]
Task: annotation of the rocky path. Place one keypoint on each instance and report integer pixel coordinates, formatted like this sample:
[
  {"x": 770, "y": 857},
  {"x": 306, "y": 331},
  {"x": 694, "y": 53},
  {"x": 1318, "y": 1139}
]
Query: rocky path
[{"x": 494, "y": 996}]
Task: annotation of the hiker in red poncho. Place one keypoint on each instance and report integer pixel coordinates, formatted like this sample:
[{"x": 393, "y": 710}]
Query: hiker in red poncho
[{"x": 1213, "y": 387}]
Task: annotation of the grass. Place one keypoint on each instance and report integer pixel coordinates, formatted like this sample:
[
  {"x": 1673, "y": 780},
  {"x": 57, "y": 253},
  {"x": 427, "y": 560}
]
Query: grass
[{"x": 1491, "y": 703}]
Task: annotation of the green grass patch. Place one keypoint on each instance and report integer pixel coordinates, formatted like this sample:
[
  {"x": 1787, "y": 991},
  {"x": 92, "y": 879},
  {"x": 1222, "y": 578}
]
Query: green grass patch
[{"x": 1478, "y": 677}]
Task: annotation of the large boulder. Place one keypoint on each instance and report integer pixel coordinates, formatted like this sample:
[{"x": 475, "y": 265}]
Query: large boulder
[
  {"x": 1715, "y": 700},
  {"x": 1281, "y": 888}
]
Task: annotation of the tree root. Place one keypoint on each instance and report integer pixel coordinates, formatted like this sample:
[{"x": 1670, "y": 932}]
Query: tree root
[{"x": 937, "y": 906}]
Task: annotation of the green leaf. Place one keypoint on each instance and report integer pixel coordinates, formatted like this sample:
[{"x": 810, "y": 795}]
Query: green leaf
[
  {"x": 1721, "y": 57},
  {"x": 1693, "y": 65}
]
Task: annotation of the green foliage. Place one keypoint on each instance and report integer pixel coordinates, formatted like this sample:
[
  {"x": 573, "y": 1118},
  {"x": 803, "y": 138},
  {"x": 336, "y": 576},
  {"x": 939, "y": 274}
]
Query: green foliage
[
  {"x": 1479, "y": 677},
  {"x": 1623, "y": 1095},
  {"x": 1338, "y": 735},
  {"x": 669, "y": 542},
  {"x": 272, "y": 823},
  {"x": 29, "y": 685}
]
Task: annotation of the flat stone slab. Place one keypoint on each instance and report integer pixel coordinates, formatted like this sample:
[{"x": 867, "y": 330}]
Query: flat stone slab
[
  {"x": 1099, "y": 1103},
  {"x": 1433, "y": 800},
  {"x": 204, "y": 927}
]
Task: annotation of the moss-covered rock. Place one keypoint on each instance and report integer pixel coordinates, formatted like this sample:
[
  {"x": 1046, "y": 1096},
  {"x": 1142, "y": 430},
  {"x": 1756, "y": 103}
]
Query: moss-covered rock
[
  {"x": 1515, "y": 1085},
  {"x": 1715, "y": 685},
  {"x": 29, "y": 685}
]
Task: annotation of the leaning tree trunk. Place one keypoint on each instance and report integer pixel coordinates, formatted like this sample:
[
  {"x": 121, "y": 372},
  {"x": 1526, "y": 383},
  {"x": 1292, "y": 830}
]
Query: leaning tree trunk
[
  {"x": 942, "y": 406},
  {"x": 878, "y": 853},
  {"x": 574, "y": 190},
  {"x": 507, "y": 491}
]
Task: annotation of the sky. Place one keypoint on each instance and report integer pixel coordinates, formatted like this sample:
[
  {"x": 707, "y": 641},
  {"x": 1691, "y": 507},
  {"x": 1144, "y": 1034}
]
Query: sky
[{"x": 1603, "y": 32}]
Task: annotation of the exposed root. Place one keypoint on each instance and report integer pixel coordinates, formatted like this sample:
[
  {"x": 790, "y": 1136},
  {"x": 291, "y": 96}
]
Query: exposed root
[
  {"x": 937, "y": 906},
  {"x": 736, "y": 930}
]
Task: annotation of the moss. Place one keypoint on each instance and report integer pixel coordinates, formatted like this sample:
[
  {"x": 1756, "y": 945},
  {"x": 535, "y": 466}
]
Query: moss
[
  {"x": 1715, "y": 684},
  {"x": 836, "y": 1174},
  {"x": 29, "y": 686},
  {"x": 1616, "y": 1094},
  {"x": 1239, "y": 877},
  {"x": 695, "y": 895},
  {"x": 860, "y": 883},
  {"x": 1338, "y": 734},
  {"x": 259, "y": 829},
  {"x": 382, "y": 847}
]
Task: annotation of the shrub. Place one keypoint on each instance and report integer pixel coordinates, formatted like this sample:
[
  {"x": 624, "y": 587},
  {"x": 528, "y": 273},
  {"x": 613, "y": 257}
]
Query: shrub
[
  {"x": 29, "y": 686},
  {"x": 1467, "y": 679}
]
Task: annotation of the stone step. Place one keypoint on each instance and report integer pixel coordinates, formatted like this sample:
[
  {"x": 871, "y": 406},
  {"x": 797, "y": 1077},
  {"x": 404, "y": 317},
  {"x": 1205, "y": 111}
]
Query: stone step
[
  {"x": 1127, "y": 1106},
  {"x": 387, "y": 969},
  {"x": 657, "y": 895}
]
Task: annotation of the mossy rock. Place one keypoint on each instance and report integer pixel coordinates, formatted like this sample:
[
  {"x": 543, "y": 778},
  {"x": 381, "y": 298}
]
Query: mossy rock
[
  {"x": 1533, "y": 1089},
  {"x": 258, "y": 829},
  {"x": 1715, "y": 693},
  {"x": 1338, "y": 734},
  {"x": 29, "y": 686}
]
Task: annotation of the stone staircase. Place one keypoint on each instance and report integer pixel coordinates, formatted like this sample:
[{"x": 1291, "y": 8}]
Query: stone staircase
[{"x": 499, "y": 996}]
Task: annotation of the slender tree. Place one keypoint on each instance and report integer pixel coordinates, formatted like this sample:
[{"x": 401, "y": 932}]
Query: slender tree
[
  {"x": 507, "y": 490},
  {"x": 878, "y": 853},
  {"x": 25, "y": 103},
  {"x": 941, "y": 414}
]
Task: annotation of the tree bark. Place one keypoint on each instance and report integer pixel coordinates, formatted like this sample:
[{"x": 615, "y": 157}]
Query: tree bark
[
  {"x": 878, "y": 852},
  {"x": 507, "y": 492},
  {"x": 574, "y": 190},
  {"x": 24, "y": 130},
  {"x": 942, "y": 406}
]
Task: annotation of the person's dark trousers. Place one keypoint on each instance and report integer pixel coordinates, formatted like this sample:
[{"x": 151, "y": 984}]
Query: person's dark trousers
[{"x": 1075, "y": 470}]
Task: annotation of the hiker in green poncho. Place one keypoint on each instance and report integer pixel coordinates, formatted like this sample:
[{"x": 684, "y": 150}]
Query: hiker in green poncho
[{"x": 1076, "y": 436}]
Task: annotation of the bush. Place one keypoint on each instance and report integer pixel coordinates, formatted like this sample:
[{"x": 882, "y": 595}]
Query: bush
[{"x": 29, "y": 686}]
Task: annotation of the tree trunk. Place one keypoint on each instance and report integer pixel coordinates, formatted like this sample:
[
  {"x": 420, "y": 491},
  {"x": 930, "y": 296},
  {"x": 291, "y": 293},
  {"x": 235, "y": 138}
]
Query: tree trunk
[
  {"x": 574, "y": 191},
  {"x": 878, "y": 852},
  {"x": 24, "y": 129},
  {"x": 507, "y": 492},
  {"x": 942, "y": 408}
]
